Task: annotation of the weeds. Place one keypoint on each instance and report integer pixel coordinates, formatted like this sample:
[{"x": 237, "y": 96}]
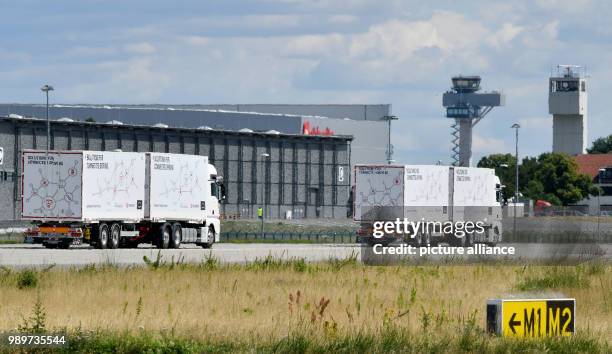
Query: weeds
[
  {"x": 27, "y": 279},
  {"x": 555, "y": 278},
  {"x": 36, "y": 323}
]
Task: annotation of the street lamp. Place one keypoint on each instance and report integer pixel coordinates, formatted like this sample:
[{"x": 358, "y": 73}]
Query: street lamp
[
  {"x": 516, "y": 127},
  {"x": 263, "y": 156},
  {"x": 389, "y": 151},
  {"x": 46, "y": 90},
  {"x": 599, "y": 173}
]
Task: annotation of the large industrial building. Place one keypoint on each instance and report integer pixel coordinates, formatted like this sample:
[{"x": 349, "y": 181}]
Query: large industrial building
[
  {"x": 302, "y": 176},
  {"x": 367, "y": 124}
]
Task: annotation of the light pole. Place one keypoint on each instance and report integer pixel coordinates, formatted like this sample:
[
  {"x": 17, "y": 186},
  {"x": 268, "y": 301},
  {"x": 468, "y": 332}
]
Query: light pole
[
  {"x": 599, "y": 173},
  {"x": 263, "y": 156},
  {"x": 46, "y": 90},
  {"x": 389, "y": 152},
  {"x": 516, "y": 127}
]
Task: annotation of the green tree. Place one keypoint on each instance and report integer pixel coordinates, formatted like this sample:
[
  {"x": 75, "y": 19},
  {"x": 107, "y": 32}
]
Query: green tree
[
  {"x": 601, "y": 145},
  {"x": 554, "y": 177},
  {"x": 90, "y": 120},
  {"x": 504, "y": 165}
]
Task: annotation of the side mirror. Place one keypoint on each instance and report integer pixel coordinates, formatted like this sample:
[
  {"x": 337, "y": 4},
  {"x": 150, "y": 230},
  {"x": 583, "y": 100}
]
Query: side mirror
[{"x": 223, "y": 195}]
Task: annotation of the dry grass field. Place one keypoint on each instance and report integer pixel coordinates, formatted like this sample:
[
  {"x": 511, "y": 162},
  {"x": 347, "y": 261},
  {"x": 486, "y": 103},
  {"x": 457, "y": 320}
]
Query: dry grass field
[{"x": 268, "y": 300}]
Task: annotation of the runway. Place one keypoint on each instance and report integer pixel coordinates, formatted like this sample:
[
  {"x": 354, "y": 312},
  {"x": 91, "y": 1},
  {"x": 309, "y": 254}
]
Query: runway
[{"x": 26, "y": 255}]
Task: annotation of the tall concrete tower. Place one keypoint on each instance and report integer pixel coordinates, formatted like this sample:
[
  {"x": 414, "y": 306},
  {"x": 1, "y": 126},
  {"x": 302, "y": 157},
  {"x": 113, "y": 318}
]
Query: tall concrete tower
[
  {"x": 467, "y": 106},
  {"x": 567, "y": 102}
]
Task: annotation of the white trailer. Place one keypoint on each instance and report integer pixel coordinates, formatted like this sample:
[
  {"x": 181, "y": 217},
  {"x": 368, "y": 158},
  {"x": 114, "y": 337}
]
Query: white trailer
[
  {"x": 428, "y": 193},
  {"x": 120, "y": 199}
]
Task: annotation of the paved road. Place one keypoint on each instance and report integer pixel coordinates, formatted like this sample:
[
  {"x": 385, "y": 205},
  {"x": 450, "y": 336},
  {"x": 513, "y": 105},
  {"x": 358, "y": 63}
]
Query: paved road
[{"x": 23, "y": 255}]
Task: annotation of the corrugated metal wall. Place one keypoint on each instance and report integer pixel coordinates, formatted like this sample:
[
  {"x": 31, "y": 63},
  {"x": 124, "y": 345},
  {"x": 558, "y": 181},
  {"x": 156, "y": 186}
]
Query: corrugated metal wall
[{"x": 308, "y": 176}]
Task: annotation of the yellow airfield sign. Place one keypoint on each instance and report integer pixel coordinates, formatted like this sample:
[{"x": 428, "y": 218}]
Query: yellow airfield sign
[{"x": 531, "y": 317}]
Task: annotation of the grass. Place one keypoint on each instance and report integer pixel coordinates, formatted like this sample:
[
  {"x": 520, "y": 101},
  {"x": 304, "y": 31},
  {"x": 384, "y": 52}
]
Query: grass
[
  {"x": 273, "y": 305},
  {"x": 286, "y": 226},
  {"x": 389, "y": 340}
]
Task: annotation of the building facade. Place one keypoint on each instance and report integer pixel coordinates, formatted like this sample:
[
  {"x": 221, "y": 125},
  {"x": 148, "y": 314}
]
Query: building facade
[
  {"x": 302, "y": 176},
  {"x": 365, "y": 123}
]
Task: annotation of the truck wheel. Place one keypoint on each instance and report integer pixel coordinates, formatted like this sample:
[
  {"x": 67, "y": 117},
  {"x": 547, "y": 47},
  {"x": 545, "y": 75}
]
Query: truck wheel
[
  {"x": 177, "y": 235},
  {"x": 50, "y": 245},
  {"x": 115, "y": 235},
  {"x": 103, "y": 235},
  {"x": 163, "y": 236},
  {"x": 209, "y": 239},
  {"x": 64, "y": 245}
]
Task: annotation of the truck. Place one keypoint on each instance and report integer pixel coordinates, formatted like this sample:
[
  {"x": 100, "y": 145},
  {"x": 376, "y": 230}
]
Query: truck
[
  {"x": 428, "y": 193},
  {"x": 112, "y": 199}
]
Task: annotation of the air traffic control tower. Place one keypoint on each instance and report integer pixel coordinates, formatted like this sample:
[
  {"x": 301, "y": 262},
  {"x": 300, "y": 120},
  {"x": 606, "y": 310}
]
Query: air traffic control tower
[
  {"x": 467, "y": 106},
  {"x": 567, "y": 102}
]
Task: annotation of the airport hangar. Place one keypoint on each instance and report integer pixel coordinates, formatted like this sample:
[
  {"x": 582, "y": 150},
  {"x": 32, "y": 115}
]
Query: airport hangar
[{"x": 305, "y": 175}]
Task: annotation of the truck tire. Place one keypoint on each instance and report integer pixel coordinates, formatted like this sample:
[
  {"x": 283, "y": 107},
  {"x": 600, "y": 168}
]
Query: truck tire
[
  {"x": 64, "y": 245},
  {"x": 163, "y": 236},
  {"x": 115, "y": 236},
  {"x": 103, "y": 236},
  {"x": 176, "y": 236},
  {"x": 209, "y": 238},
  {"x": 50, "y": 245}
]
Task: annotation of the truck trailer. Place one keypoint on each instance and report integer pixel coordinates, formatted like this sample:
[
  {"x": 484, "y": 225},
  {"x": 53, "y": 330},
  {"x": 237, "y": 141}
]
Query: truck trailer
[
  {"x": 120, "y": 199},
  {"x": 432, "y": 194}
]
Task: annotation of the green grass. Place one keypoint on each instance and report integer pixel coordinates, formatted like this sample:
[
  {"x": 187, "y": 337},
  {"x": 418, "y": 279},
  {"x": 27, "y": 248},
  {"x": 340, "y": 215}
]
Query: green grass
[
  {"x": 390, "y": 340},
  {"x": 280, "y": 226},
  {"x": 558, "y": 277}
]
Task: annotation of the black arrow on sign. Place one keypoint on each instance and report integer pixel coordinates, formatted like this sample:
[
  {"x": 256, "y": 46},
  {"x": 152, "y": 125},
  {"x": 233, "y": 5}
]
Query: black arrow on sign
[{"x": 513, "y": 323}]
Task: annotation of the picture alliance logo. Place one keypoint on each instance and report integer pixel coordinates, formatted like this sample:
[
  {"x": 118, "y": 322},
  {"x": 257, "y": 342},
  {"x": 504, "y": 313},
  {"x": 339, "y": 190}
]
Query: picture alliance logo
[{"x": 412, "y": 228}]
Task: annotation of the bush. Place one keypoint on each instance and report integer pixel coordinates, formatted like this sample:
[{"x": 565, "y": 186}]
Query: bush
[{"x": 27, "y": 279}]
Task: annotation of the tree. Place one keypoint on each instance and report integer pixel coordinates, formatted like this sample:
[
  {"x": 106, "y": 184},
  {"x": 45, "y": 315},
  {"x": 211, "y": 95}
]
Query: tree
[
  {"x": 554, "y": 177},
  {"x": 601, "y": 145},
  {"x": 504, "y": 165},
  {"x": 90, "y": 120}
]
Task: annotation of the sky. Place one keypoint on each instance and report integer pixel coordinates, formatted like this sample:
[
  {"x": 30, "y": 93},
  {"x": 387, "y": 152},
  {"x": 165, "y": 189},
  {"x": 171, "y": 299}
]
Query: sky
[{"x": 316, "y": 51}]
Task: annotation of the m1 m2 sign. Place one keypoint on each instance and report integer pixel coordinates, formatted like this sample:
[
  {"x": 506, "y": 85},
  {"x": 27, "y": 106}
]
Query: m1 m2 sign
[{"x": 531, "y": 318}]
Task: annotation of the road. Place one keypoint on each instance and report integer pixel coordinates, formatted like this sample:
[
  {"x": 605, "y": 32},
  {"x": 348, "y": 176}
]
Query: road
[{"x": 25, "y": 255}]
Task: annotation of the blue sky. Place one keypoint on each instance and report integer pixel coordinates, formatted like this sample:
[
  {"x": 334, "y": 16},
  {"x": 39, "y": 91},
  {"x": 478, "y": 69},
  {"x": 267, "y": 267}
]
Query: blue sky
[{"x": 294, "y": 51}]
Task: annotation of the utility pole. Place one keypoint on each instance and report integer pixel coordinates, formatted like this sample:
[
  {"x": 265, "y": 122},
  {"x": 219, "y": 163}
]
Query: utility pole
[
  {"x": 599, "y": 173},
  {"x": 264, "y": 156},
  {"x": 389, "y": 146},
  {"x": 516, "y": 126},
  {"x": 46, "y": 90}
]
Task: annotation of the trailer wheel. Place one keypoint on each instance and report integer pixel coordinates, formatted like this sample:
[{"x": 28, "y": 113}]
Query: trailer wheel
[
  {"x": 177, "y": 235},
  {"x": 115, "y": 235},
  {"x": 210, "y": 238},
  {"x": 103, "y": 235},
  {"x": 163, "y": 236}
]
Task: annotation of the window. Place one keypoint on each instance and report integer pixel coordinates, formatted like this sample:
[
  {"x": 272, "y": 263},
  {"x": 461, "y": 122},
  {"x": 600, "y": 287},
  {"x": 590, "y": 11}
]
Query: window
[
  {"x": 6, "y": 176},
  {"x": 566, "y": 86},
  {"x": 583, "y": 86}
]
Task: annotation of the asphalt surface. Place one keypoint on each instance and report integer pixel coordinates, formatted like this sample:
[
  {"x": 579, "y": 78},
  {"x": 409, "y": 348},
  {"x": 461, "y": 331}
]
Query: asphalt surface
[{"x": 26, "y": 255}]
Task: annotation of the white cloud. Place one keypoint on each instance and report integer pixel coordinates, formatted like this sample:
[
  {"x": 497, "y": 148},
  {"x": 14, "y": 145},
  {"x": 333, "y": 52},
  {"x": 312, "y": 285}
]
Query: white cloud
[{"x": 140, "y": 48}]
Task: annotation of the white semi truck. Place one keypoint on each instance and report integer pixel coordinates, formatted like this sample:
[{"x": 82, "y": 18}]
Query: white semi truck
[
  {"x": 120, "y": 199},
  {"x": 426, "y": 193}
]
